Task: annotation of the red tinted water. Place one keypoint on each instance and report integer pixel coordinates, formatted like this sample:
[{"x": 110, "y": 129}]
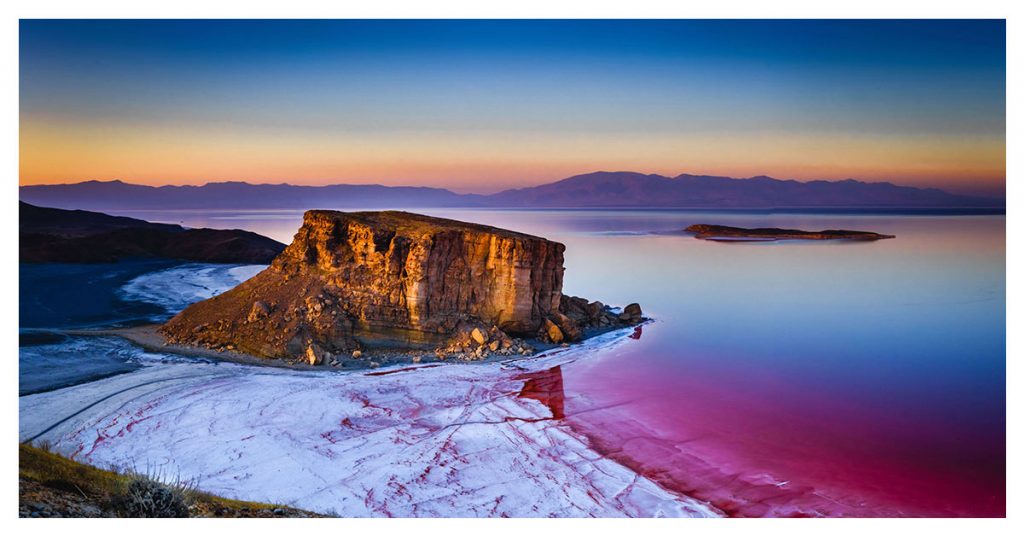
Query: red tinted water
[
  {"x": 734, "y": 445},
  {"x": 546, "y": 387}
]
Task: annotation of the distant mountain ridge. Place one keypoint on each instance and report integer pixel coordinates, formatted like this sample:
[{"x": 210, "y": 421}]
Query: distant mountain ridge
[
  {"x": 106, "y": 195},
  {"x": 602, "y": 189},
  {"x": 629, "y": 189}
]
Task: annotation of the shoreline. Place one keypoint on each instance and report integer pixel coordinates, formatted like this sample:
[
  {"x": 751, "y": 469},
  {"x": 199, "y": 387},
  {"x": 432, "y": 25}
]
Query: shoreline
[
  {"x": 451, "y": 420},
  {"x": 148, "y": 338}
]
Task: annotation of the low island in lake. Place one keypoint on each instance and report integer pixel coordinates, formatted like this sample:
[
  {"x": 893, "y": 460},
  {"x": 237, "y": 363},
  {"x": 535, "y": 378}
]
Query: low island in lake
[{"x": 725, "y": 233}]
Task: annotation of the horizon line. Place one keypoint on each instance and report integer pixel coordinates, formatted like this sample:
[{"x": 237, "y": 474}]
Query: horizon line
[{"x": 367, "y": 184}]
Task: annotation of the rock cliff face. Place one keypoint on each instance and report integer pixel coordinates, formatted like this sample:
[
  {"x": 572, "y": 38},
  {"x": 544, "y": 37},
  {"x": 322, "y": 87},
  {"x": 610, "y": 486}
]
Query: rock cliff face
[{"x": 393, "y": 279}]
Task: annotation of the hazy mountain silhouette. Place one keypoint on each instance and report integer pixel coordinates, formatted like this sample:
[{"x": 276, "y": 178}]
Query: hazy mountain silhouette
[
  {"x": 107, "y": 195},
  {"x": 600, "y": 189},
  {"x": 628, "y": 189}
]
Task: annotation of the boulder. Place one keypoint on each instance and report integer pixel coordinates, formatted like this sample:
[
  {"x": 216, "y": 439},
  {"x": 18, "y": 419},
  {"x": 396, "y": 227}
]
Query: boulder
[
  {"x": 314, "y": 356},
  {"x": 567, "y": 326},
  {"x": 550, "y": 332},
  {"x": 587, "y": 315},
  {"x": 631, "y": 314},
  {"x": 259, "y": 311}
]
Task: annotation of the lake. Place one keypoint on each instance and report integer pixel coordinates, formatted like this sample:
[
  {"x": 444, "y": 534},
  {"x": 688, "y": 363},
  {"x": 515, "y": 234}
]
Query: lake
[{"x": 784, "y": 378}]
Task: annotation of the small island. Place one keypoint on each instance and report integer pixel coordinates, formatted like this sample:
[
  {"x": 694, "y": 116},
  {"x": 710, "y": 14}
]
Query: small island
[{"x": 725, "y": 233}]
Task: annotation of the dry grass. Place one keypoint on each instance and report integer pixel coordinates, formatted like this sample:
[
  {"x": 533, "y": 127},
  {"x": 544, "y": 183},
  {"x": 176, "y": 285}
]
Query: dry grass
[
  {"x": 55, "y": 471},
  {"x": 134, "y": 494}
]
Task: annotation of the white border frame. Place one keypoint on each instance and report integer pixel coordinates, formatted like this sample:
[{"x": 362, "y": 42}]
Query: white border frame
[{"x": 521, "y": 9}]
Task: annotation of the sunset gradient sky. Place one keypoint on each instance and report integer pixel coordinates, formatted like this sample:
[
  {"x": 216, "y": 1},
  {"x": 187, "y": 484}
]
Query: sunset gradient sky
[{"x": 480, "y": 106}]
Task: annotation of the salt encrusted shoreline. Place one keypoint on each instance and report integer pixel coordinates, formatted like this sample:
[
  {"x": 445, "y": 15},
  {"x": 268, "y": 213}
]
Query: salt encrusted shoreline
[
  {"x": 426, "y": 440},
  {"x": 149, "y": 338}
]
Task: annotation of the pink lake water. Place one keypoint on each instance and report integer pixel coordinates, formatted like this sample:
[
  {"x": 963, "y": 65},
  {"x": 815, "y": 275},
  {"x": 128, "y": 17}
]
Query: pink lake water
[{"x": 780, "y": 379}]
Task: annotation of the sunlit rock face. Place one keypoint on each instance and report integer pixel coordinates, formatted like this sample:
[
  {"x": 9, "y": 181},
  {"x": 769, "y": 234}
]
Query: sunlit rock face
[{"x": 382, "y": 278}]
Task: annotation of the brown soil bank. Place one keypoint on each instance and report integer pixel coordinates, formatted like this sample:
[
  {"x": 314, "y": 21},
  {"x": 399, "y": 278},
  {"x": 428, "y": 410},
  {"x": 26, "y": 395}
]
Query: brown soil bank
[
  {"x": 396, "y": 279},
  {"x": 713, "y": 232}
]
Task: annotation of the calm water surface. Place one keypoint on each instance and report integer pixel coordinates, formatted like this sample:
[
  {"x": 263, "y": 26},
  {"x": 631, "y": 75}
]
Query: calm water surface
[{"x": 783, "y": 378}]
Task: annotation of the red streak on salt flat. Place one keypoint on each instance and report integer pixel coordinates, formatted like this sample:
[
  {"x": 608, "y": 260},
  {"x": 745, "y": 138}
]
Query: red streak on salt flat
[{"x": 748, "y": 455}]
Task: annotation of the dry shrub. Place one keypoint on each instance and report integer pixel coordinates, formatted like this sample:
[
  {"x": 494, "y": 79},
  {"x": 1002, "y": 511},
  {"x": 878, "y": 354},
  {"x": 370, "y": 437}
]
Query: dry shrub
[{"x": 148, "y": 495}]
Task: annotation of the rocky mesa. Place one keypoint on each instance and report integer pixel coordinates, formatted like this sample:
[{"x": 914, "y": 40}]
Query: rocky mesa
[{"x": 352, "y": 281}]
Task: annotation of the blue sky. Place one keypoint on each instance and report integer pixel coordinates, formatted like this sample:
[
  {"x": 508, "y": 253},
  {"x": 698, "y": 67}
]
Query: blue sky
[{"x": 484, "y": 105}]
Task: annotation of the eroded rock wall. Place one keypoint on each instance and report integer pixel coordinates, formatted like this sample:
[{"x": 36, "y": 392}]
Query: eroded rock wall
[{"x": 382, "y": 278}]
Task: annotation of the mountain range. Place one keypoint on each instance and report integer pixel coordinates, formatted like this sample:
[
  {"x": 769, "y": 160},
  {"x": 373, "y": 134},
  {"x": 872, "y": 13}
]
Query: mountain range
[{"x": 601, "y": 189}]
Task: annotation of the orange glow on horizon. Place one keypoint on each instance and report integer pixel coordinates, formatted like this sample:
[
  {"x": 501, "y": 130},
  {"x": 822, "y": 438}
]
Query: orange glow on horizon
[{"x": 62, "y": 153}]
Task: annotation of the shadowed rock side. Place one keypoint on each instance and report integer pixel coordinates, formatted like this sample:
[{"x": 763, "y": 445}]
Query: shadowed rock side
[
  {"x": 79, "y": 236},
  {"x": 718, "y": 232},
  {"x": 395, "y": 279}
]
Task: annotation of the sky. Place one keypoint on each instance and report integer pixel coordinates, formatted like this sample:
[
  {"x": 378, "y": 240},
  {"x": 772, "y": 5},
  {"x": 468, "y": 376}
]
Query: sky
[{"x": 481, "y": 106}]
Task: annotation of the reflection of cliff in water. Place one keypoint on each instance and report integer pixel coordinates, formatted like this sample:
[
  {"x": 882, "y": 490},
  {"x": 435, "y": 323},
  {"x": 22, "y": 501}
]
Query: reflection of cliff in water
[{"x": 545, "y": 386}]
